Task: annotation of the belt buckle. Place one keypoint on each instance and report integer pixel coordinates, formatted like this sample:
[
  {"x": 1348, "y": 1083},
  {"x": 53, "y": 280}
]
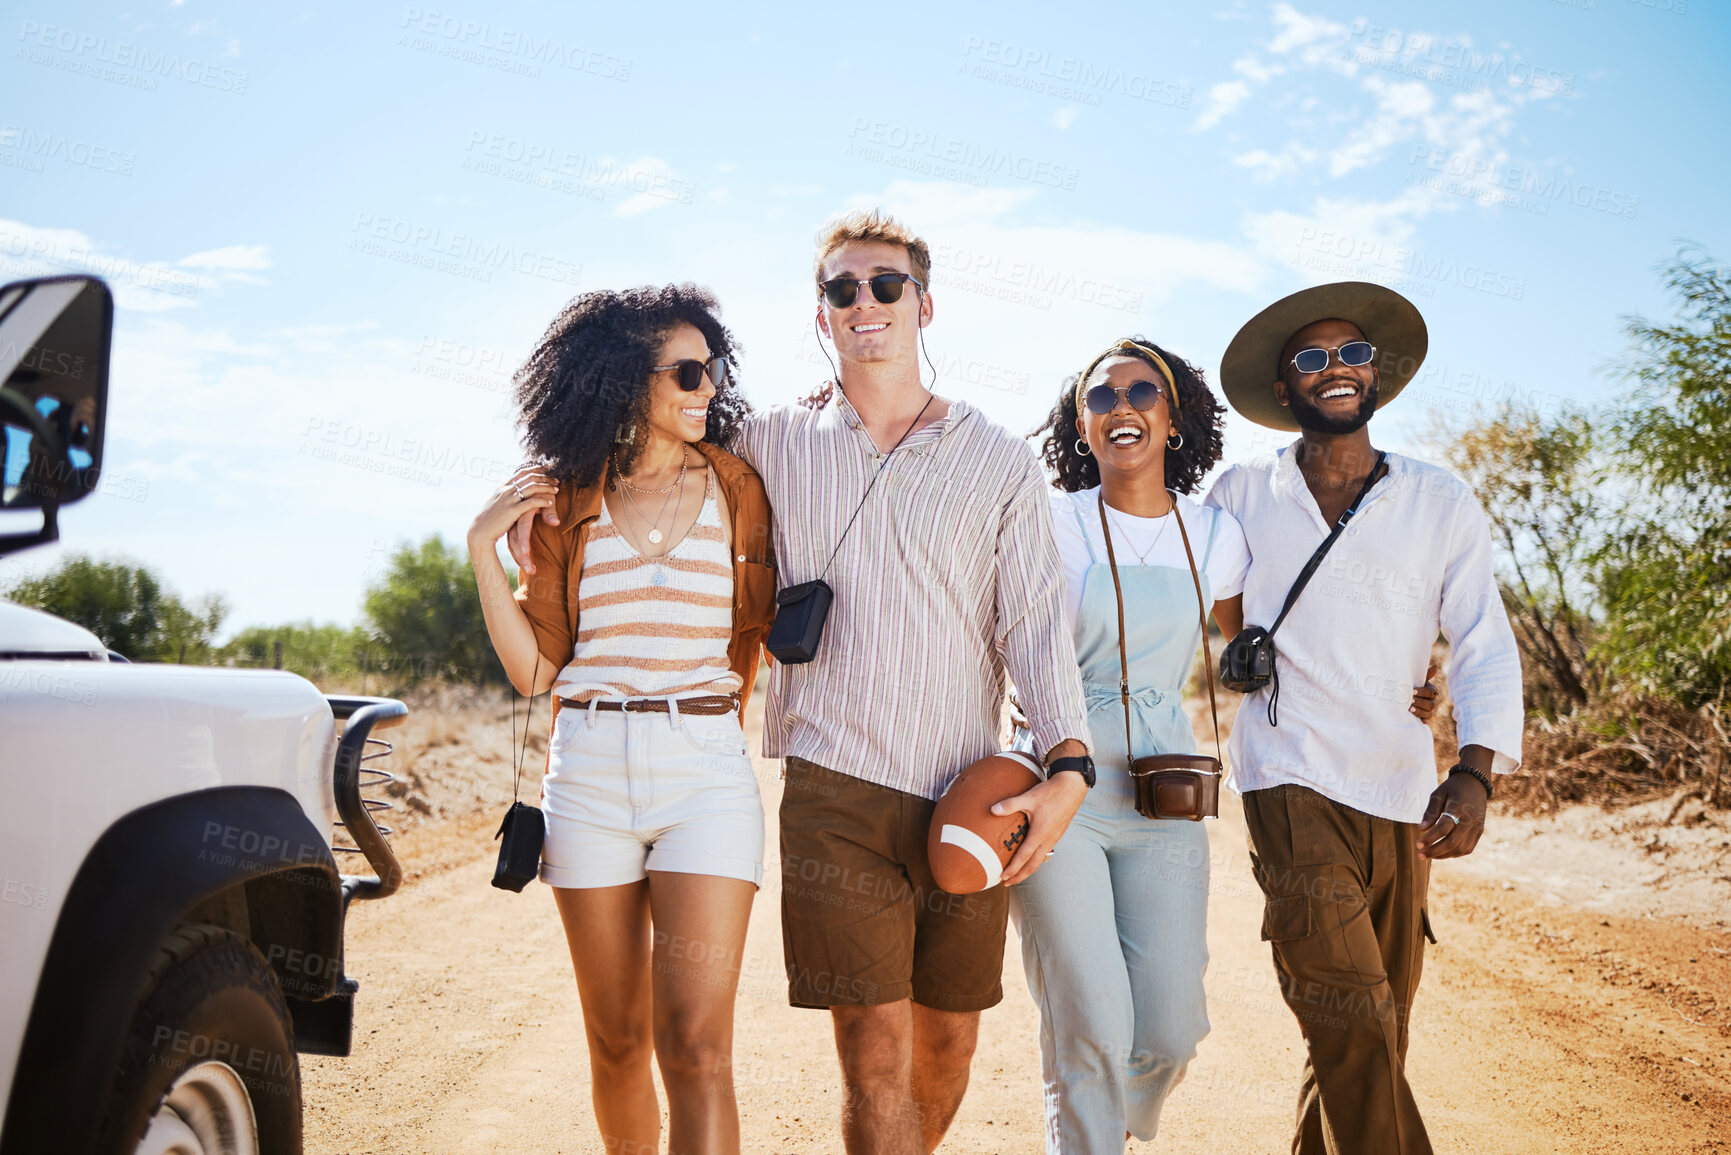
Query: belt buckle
[{"x": 634, "y": 705}]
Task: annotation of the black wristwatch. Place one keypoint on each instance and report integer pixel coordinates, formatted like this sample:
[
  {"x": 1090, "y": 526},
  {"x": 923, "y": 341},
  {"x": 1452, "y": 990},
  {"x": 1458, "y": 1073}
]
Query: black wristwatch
[{"x": 1081, "y": 764}]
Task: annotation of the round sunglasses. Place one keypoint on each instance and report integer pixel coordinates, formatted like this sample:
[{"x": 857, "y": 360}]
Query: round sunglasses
[
  {"x": 1352, "y": 354},
  {"x": 1142, "y": 395},
  {"x": 886, "y": 288},
  {"x": 691, "y": 372}
]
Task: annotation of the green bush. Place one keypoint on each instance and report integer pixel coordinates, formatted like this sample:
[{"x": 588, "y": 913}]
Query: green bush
[
  {"x": 1614, "y": 530},
  {"x": 426, "y": 617},
  {"x": 127, "y": 607}
]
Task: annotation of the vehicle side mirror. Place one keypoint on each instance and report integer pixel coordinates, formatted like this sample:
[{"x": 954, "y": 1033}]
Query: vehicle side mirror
[{"x": 54, "y": 345}]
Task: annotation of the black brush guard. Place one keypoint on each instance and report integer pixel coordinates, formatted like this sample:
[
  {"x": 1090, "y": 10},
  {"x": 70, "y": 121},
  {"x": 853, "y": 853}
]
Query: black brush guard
[
  {"x": 326, "y": 1026},
  {"x": 362, "y": 716}
]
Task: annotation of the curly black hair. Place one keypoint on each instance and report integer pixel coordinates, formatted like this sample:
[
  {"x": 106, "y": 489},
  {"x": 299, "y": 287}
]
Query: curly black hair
[
  {"x": 588, "y": 378},
  {"x": 1186, "y": 466}
]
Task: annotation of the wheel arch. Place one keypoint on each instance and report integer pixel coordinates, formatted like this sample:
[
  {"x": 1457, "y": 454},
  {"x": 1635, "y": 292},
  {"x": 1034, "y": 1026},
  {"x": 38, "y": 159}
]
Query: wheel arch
[{"x": 228, "y": 853}]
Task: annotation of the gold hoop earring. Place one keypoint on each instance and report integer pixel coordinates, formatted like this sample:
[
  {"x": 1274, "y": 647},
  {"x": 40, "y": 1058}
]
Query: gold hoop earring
[{"x": 1082, "y": 447}]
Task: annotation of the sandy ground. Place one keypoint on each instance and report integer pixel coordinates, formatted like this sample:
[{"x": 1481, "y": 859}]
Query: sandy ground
[{"x": 1579, "y": 999}]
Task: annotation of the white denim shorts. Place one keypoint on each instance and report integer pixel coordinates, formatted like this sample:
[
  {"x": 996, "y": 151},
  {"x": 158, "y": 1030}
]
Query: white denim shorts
[{"x": 627, "y": 793}]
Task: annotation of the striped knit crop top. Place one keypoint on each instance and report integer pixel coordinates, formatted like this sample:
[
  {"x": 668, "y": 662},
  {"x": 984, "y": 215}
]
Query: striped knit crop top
[{"x": 653, "y": 626}]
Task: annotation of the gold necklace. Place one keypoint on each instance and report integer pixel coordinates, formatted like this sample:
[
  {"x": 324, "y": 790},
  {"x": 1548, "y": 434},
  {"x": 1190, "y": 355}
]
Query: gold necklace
[{"x": 655, "y": 536}]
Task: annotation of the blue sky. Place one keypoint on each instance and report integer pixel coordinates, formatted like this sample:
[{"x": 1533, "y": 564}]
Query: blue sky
[{"x": 334, "y": 231}]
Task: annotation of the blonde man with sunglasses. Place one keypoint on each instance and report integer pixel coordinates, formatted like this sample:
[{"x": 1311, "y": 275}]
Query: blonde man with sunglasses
[{"x": 930, "y": 523}]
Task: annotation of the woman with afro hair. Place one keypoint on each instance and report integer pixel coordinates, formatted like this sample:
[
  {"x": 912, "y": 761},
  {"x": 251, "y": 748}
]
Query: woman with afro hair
[
  {"x": 1114, "y": 927},
  {"x": 644, "y": 602}
]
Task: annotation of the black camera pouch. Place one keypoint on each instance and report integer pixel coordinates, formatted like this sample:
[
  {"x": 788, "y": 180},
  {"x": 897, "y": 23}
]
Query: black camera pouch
[
  {"x": 1247, "y": 662},
  {"x": 520, "y": 837},
  {"x": 525, "y": 827},
  {"x": 800, "y": 614}
]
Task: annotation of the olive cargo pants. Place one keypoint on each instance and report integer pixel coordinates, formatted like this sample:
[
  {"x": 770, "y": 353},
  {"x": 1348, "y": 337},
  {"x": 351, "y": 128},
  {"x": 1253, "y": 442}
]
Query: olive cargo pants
[{"x": 1345, "y": 914}]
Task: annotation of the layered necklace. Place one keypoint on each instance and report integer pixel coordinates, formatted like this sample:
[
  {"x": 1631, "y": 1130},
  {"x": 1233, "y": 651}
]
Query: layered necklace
[{"x": 654, "y": 536}]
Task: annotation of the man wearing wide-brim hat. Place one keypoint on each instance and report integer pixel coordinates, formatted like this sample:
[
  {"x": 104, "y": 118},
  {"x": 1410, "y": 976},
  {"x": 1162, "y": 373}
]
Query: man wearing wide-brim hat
[{"x": 1339, "y": 780}]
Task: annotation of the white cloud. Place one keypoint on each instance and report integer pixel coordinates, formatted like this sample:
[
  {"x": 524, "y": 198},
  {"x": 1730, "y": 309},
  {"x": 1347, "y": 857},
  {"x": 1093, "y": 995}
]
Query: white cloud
[
  {"x": 1314, "y": 40},
  {"x": 1345, "y": 228},
  {"x": 1223, "y": 100},
  {"x": 1293, "y": 159},
  {"x": 148, "y": 286},
  {"x": 1251, "y": 67},
  {"x": 230, "y": 258},
  {"x": 657, "y": 184},
  {"x": 1064, "y": 117},
  {"x": 1401, "y": 110},
  {"x": 1353, "y": 103}
]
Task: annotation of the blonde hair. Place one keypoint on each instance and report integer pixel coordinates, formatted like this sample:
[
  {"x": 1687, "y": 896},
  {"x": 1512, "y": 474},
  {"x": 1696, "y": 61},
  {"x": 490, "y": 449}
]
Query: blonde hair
[{"x": 873, "y": 225}]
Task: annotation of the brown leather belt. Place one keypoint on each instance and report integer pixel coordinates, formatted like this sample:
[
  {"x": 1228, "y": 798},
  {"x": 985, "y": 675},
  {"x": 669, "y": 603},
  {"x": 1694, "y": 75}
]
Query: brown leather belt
[{"x": 708, "y": 705}]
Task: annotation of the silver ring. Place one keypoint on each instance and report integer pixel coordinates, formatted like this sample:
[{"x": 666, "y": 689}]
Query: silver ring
[
  {"x": 1451, "y": 817},
  {"x": 521, "y": 496}
]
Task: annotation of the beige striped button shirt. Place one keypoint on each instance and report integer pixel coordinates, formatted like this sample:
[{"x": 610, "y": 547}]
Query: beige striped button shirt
[{"x": 948, "y": 579}]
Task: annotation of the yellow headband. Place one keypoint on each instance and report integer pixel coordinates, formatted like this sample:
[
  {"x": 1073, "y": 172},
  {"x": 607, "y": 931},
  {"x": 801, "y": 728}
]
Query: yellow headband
[{"x": 1130, "y": 348}]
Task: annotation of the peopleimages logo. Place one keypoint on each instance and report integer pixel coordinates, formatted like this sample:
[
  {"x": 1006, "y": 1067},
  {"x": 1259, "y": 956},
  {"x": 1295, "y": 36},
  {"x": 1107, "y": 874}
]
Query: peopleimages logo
[
  {"x": 462, "y": 254},
  {"x": 138, "y": 66},
  {"x": 1449, "y": 61},
  {"x": 512, "y": 49},
  {"x": 38, "y": 147},
  {"x": 1523, "y": 186},
  {"x": 881, "y": 141},
  {"x": 1064, "y": 77}
]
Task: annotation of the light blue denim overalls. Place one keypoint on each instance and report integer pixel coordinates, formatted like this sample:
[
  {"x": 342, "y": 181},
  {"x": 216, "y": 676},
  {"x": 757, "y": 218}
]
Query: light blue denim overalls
[{"x": 1114, "y": 925}]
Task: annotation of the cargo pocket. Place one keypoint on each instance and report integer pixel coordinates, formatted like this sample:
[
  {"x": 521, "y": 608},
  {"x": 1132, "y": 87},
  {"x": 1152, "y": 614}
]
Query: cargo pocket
[
  {"x": 1424, "y": 920},
  {"x": 1286, "y": 919}
]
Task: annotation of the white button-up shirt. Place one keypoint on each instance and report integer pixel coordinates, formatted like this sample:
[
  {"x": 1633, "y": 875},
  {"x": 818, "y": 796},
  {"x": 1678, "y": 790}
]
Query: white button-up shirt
[{"x": 1415, "y": 560}]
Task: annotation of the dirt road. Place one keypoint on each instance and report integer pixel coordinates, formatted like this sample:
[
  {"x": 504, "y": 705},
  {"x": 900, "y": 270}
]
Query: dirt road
[{"x": 1539, "y": 1027}]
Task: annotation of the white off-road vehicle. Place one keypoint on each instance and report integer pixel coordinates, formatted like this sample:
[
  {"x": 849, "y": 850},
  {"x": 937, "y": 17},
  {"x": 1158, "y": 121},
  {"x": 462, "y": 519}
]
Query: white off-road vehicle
[{"x": 171, "y": 905}]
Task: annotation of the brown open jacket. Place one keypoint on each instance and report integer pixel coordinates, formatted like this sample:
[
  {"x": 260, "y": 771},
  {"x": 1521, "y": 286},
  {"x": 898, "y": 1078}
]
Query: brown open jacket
[{"x": 549, "y": 595}]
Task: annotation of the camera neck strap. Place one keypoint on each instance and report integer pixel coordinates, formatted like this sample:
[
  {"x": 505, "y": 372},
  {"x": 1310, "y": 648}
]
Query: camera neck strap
[
  {"x": 883, "y": 465},
  {"x": 1123, "y": 654},
  {"x": 1310, "y": 567}
]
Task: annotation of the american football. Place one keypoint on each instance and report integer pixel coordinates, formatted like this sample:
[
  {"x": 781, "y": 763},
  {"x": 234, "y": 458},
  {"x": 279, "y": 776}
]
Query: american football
[{"x": 969, "y": 846}]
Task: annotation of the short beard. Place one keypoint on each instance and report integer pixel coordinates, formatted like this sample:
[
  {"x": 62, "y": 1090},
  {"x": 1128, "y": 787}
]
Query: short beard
[{"x": 1313, "y": 420}]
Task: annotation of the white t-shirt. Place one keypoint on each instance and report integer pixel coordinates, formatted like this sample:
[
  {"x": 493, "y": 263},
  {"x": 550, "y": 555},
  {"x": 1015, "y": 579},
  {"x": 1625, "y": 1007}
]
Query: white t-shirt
[{"x": 1228, "y": 559}]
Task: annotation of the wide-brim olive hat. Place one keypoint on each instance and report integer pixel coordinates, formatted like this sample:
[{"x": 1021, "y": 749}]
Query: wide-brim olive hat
[{"x": 1388, "y": 320}]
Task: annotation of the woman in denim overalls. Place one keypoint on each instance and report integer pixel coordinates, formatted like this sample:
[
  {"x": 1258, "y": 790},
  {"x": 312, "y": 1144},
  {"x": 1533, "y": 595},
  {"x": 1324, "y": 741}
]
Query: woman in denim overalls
[{"x": 1114, "y": 927}]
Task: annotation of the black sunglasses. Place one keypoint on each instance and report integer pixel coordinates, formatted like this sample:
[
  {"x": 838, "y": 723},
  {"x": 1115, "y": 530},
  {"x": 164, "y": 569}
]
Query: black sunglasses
[
  {"x": 886, "y": 287},
  {"x": 1142, "y": 395},
  {"x": 691, "y": 372},
  {"x": 1352, "y": 354}
]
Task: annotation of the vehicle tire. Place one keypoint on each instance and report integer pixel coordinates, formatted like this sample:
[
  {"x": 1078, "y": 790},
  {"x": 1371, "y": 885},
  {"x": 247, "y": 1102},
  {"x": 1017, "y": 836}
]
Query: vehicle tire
[{"x": 209, "y": 1062}]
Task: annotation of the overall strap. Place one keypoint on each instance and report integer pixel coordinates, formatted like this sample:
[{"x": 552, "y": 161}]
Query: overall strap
[
  {"x": 1213, "y": 532},
  {"x": 1081, "y": 526},
  {"x": 1202, "y": 608},
  {"x": 1123, "y": 657}
]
